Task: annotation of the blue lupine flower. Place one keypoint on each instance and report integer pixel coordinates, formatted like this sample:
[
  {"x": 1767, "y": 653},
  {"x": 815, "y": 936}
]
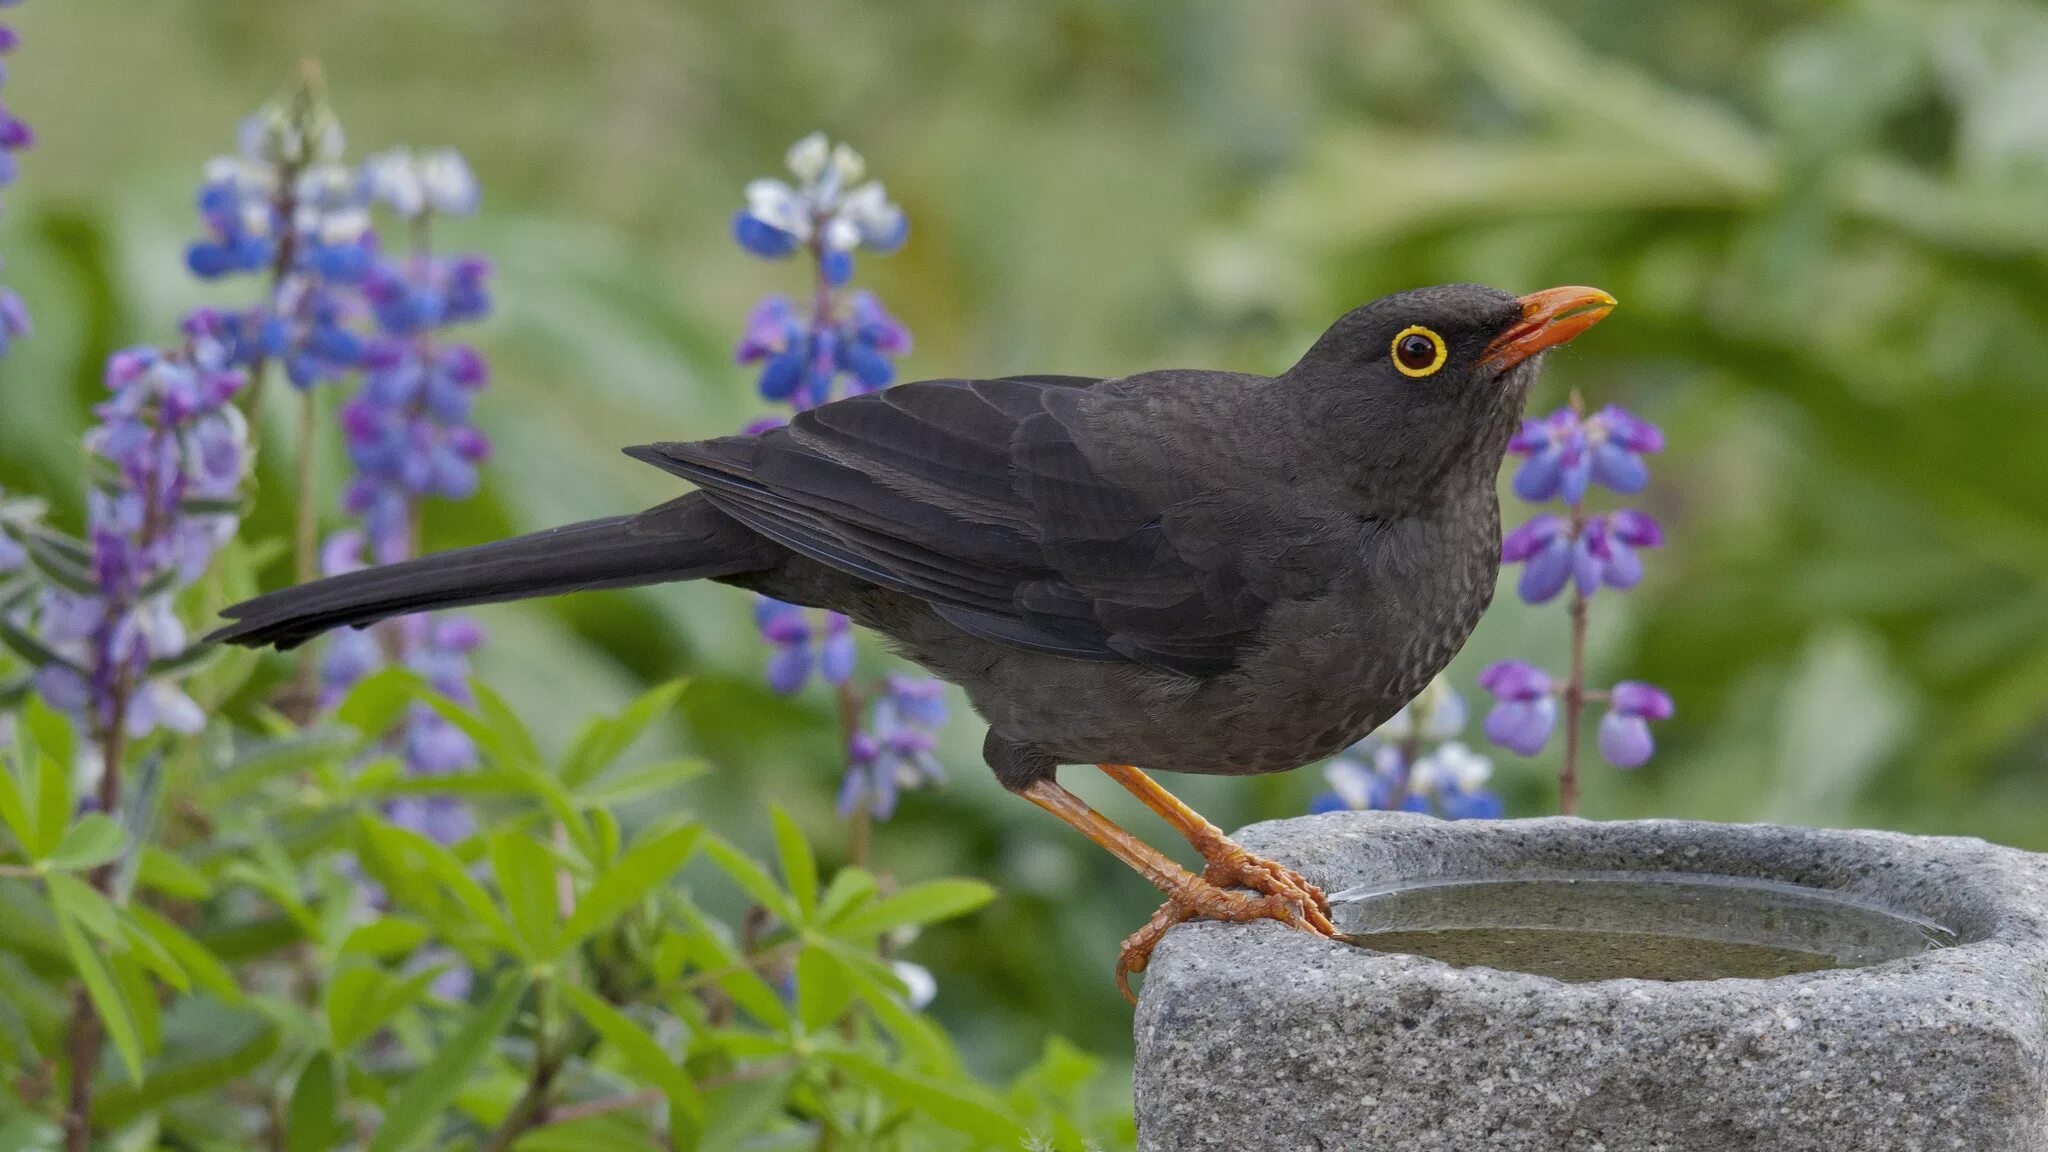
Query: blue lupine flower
[
  {"x": 1525, "y": 708},
  {"x": 15, "y": 135},
  {"x": 1624, "y": 736}
]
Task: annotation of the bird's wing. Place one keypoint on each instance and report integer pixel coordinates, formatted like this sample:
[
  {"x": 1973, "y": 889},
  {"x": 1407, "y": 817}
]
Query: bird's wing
[{"x": 988, "y": 500}]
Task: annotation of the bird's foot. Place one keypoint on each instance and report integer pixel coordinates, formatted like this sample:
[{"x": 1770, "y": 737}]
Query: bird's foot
[
  {"x": 1230, "y": 865},
  {"x": 1282, "y": 895}
]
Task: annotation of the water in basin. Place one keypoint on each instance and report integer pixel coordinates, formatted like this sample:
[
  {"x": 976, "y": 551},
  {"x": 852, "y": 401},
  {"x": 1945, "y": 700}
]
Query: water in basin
[{"x": 1644, "y": 925}]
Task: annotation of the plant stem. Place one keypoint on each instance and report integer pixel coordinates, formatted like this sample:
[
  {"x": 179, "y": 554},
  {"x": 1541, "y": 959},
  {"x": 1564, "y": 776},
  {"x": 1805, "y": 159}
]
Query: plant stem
[
  {"x": 1575, "y": 684},
  {"x": 531, "y": 1109},
  {"x": 85, "y": 1031},
  {"x": 860, "y": 828}
]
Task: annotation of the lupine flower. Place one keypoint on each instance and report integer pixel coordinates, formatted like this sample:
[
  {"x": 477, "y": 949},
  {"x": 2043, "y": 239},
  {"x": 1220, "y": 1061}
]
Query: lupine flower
[
  {"x": 15, "y": 135},
  {"x": 824, "y": 209},
  {"x": 1566, "y": 452},
  {"x": 1603, "y": 552},
  {"x": 1389, "y": 770},
  {"x": 176, "y": 449},
  {"x": 800, "y": 364},
  {"x": 438, "y": 181},
  {"x": 895, "y": 749},
  {"x": 803, "y": 642},
  {"x": 1525, "y": 709},
  {"x": 409, "y": 438},
  {"x": 1624, "y": 736},
  {"x": 286, "y": 186},
  {"x": 803, "y": 353}
]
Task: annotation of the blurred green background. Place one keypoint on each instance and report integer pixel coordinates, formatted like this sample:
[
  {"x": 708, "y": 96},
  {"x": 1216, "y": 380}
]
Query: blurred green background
[{"x": 1827, "y": 224}]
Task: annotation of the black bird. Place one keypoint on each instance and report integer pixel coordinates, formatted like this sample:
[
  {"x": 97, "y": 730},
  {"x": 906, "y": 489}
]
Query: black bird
[{"x": 1185, "y": 570}]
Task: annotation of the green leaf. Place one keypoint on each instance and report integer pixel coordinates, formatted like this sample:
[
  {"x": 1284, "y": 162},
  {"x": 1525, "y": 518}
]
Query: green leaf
[
  {"x": 851, "y": 887},
  {"x": 385, "y": 939},
  {"x": 924, "y": 903},
  {"x": 24, "y": 644},
  {"x": 648, "y": 865},
  {"x": 414, "y": 1116},
  {"x": 525, "y": 872},
  {"x": 824, "y": 989},
  {"x": 91, "y": 842},
  {"x": 752, "y": 879},
  {"x": 51, "y": 731},
  {"x": 799, "y": 867},
  {"x": 104, "y": 994},
  {"x": 923, "y": 1043},
  {"x": 53, "y": 803},
  {"x": 604, "y": 740},
  {"x": 374, "y": 704},
  {"x": 404, "y": 854},
  {"x": 953, "y": 1105},
  {"x": 171, "y": 875},
  {"x": 205, "y": 969},
  {"x": 362, "y": 999},
  {"x": 636, "y": 783},
  {"x": 155, "y": 957},
  {"x": 14, "y": 810},
  {"x": 313, "y": 1118},
  {"x": 82, "y": 902},
  {"x": 648, "y": 1060}
]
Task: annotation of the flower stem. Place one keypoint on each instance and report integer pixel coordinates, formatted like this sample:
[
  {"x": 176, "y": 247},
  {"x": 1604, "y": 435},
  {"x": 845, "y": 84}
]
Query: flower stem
[
  {"x": 1575, "y": 683},
  {"x": 85, "y": 1032}
]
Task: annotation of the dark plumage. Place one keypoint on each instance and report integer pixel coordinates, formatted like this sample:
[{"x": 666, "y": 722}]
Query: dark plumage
[{"x": 1195, "y": 571}]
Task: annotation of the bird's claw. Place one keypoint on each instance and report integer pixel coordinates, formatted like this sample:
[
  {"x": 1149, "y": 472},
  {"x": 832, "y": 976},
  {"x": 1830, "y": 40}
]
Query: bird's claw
[{"x": 1283, "y": 895}]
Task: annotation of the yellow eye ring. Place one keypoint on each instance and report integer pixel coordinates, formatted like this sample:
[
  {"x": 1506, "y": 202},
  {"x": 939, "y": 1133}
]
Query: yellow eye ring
[{"x": 1418, "y": 352}]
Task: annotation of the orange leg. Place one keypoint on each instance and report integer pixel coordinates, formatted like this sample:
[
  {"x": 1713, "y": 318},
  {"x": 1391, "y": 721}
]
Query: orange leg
[{"x": 1187, "y": 895}]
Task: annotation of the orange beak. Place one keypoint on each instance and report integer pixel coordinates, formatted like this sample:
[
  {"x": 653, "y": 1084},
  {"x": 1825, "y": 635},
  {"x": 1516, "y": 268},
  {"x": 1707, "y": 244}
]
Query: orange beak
[{"x": 1549, "y": 318}]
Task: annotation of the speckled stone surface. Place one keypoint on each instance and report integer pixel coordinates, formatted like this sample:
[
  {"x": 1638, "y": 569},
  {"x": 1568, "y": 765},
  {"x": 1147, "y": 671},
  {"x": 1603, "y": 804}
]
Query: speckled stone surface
[{"x": 1255, "y": 1037}]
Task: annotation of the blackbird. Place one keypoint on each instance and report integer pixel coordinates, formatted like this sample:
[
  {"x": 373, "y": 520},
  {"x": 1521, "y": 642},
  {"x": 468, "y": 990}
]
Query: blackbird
[{"x": 1186, "y": 570}]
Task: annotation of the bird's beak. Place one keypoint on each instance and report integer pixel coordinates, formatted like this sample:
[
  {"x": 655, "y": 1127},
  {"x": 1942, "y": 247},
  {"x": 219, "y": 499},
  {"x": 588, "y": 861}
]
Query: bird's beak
[{"x": 1549, "y": 318}]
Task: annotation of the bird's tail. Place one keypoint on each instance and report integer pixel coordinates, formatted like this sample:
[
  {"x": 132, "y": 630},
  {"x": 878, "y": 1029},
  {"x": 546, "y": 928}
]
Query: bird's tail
[{"x": 684, "y": 539}]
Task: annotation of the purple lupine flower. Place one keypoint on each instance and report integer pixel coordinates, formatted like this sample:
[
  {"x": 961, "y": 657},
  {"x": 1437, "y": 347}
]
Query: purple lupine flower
[
  {"x": 1564, "y": 453},
  {"x": 175, "y": 450},
  {"x": 15, "y": 135},
  {"x": 802, "y": 353},
  {"x": 1544, "y": 547},
  {"x": 896, "y": 748},
  {"x": 409, "y": 436},
  {"x": 1524, "y": 710},
  {"x": 1624, "y": 735}
]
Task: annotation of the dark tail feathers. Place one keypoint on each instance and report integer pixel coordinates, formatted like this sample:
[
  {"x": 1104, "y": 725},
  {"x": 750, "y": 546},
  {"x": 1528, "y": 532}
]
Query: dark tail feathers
[{"x": 684, "y": 539}]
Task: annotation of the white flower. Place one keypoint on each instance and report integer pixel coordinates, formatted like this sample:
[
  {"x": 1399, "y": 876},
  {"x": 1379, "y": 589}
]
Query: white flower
[
  {"x": 1454, "y": 766},
  {"x": 920, "y": 987},
  {"x": 450, "y": 186}
]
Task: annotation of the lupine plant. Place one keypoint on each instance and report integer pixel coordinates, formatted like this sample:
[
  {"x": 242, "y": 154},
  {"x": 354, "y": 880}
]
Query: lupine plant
[
  {"x": 1564, "y": 457},
  {"x": 393, "y": 921},
  {"x": 835, "y": 343},
  {"x": 15, "y": 135},
  {"x": 1414, "y": 763}
]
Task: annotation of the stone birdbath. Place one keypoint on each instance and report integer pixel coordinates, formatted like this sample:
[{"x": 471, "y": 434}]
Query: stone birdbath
[{"x": 1643, "y": 986}]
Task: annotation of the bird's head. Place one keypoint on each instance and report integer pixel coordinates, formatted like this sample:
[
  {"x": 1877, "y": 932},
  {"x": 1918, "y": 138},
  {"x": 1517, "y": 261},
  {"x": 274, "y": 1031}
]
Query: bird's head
[{"x": 1426, "y": 386}]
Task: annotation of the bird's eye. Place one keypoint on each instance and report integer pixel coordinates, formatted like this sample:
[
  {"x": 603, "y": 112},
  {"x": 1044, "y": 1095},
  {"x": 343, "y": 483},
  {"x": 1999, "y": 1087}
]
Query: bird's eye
[{"x": 1418, "y": 351}]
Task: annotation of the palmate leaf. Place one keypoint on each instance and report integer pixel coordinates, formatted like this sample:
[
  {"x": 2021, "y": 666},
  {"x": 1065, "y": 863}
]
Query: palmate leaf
[
  {"x": 630, "y": 880},
  {"x": 799, "y": 867},
  {"x": 604, "y": 740}
]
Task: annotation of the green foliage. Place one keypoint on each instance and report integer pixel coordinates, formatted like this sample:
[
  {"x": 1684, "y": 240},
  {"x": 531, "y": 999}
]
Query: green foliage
[{"x": 554, "y": 982}]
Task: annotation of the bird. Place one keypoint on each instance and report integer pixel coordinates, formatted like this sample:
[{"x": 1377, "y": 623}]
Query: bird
[{"x": 1182, "y": 570}]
